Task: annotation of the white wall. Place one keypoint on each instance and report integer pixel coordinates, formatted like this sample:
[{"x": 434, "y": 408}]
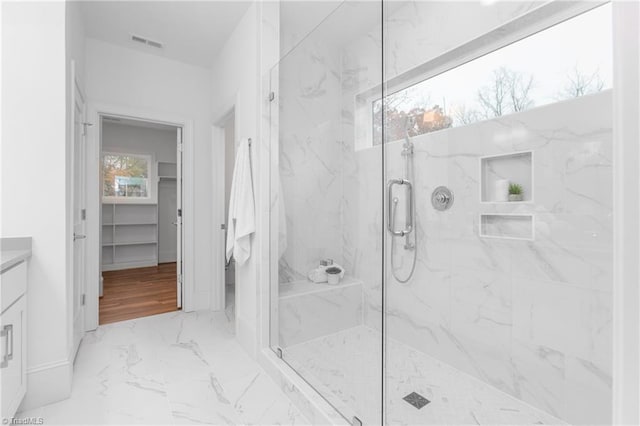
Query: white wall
[
  {"x": 238, "y": 78},
  {"x": 75, "y": 66},
  {"x": 140, "y": 140},
  {"x": 34, "y": 140},
  {"x": 235, "y": 84},
  {"x": 124, "y": 77},
  {"x": 229, "y": 161}
]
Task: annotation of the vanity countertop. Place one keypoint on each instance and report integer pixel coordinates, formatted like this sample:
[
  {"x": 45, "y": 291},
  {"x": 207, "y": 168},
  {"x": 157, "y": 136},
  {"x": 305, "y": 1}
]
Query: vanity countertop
[{"x": 13, "y": 251}]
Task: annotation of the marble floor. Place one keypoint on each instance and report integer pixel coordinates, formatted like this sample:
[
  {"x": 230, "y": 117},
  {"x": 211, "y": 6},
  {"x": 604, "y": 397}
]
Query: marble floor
[
  {"x": 346, "y": 365},
  {"x": 173, "y": 368}
]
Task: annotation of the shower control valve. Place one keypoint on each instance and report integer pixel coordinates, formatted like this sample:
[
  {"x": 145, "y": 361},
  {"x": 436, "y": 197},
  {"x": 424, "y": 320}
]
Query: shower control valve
[{"x": 442, "y": 198}]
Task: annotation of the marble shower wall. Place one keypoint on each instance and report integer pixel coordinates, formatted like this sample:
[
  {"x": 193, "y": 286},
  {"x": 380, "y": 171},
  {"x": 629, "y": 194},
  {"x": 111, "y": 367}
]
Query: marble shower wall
[
  {"x": 322, "y": 185},
  {"x": 532, "y": 318},
  {"x": 311, "y": 163}
]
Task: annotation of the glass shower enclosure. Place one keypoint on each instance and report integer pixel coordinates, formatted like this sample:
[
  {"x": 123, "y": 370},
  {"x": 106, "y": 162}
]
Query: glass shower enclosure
[{"x": 441, "y": 232}]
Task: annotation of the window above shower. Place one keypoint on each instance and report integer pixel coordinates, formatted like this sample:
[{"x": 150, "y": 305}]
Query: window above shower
[{"x": 569, "y": 59}]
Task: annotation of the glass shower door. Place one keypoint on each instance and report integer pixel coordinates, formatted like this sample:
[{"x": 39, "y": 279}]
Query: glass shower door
[
  {"x": 497, "y": 147},
  {"x": 327, "y": 215}
]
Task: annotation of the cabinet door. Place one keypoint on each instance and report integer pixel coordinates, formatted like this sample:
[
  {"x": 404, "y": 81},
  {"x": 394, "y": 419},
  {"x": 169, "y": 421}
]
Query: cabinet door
[{"x": 13, "y": 378}]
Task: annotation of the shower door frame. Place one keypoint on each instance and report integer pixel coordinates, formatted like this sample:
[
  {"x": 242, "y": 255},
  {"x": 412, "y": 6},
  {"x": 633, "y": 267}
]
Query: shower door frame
[{"x": 626, "y": 213}]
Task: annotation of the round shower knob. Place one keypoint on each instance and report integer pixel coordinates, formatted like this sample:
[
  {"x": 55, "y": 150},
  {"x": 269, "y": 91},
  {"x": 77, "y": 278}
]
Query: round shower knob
[{"x": 442, "y": 198}]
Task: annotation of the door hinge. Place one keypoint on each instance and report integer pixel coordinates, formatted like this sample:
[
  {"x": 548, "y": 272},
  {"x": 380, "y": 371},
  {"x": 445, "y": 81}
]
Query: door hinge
[
  {"x": 272, "y": 96},
  {"x": 179, "y": 212},
  {"x": 279, "y": 352},
  {"x": 83, "y": 300},
  {"x": 223, "y": 226},
  {"x": 180, "y": 279},
  {"x": 84, "y": 127},
  {"x": 83, "y": 214}
]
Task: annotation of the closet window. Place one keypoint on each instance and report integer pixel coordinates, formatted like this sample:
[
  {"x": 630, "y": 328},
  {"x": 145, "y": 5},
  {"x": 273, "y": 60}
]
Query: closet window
[{"x": 126, "y": 176}]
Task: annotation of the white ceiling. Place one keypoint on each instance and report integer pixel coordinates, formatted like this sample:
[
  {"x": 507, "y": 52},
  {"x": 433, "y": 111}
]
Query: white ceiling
[{"x": 191, "y": 31}]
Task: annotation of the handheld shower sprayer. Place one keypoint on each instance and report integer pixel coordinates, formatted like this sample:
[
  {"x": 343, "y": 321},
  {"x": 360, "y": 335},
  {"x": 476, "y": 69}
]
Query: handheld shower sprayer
[{"x": 407, "y": 180}]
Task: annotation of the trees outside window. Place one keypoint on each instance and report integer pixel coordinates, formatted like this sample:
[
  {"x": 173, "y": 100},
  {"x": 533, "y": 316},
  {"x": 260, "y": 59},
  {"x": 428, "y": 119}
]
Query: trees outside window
[{"x": 125, "y": 175}]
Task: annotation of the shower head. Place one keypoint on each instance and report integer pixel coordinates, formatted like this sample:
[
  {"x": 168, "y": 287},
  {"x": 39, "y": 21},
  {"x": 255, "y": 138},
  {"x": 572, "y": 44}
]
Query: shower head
[{"x": 409, "y": 122}]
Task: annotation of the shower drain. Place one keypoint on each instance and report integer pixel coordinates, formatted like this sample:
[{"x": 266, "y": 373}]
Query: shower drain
[{"x": 416, "y": 400}]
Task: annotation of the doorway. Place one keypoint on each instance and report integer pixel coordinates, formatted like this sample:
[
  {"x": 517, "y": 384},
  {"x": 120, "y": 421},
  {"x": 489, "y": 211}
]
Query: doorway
[{"x": 140, "y": 218}]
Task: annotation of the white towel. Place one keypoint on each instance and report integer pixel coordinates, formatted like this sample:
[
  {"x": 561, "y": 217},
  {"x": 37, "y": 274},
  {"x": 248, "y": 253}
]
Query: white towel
[{"x": 242, "y": 220}]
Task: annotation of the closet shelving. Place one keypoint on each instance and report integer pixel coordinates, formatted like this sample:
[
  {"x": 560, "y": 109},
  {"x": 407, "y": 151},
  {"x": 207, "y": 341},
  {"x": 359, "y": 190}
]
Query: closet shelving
[
  {"x": 166, "y": 170},
  {"x": 129, "y": 236}
]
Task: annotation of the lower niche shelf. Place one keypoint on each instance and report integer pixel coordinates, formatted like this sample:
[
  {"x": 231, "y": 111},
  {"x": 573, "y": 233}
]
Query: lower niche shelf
[{"x": 507, "y": 226}]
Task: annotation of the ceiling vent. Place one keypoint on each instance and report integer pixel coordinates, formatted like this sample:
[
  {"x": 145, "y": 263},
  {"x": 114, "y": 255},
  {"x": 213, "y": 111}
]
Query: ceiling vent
[{"x": 148, "y": 42}]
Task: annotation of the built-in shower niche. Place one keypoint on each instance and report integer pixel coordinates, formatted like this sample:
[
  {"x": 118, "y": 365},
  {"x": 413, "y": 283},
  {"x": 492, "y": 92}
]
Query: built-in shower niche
[
  {"x": 498, "y": 171},
  {"x": 507, "y": 226}
]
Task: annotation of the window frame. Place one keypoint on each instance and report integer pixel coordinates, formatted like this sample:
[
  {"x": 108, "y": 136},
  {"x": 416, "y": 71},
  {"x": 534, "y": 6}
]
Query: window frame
[
  {"x": 519, "y": 28},
  {"x": 152, "y": 195}
]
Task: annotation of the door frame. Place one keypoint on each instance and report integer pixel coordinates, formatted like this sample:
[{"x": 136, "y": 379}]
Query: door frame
[
  {"x": 93, "y": 200},
  {"x": 218, "y": 293},
  {"x": 76, "y": 90}
]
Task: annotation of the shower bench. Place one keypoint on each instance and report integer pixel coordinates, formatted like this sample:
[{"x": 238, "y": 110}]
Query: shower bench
[{"x": 310, "y": 310}]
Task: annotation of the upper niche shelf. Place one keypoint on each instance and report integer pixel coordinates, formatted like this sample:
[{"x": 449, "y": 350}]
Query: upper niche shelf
[
  {"x": 516, "y": 167},
  {"x": 167, "y": 170}
]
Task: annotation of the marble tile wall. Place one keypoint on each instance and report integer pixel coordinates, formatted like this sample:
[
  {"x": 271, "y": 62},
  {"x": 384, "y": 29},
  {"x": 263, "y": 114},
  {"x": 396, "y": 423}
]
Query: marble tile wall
[
  {"x": 313, "y": 314},
  {"x": 310, "y": 158},
  {"x": 531, "y": 318}
]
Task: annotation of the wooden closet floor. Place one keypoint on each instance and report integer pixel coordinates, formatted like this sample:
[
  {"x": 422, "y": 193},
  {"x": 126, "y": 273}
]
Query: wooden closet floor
[{"x": 139, "y": 292}]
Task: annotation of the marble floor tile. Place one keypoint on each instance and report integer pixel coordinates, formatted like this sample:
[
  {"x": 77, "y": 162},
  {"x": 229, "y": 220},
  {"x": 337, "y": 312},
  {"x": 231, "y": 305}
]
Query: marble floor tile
[
  {"x": 347, "y": 364},
  {"x": 174, "y": 368}
]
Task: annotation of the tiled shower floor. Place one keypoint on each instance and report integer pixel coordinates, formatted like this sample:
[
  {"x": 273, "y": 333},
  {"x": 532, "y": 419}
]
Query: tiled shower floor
[{"x": 347, "y": 364}]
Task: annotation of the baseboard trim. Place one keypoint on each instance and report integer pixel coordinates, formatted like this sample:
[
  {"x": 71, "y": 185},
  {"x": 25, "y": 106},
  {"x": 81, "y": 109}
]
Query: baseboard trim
[
  {"x": 128, "y": 265},
  {"x": 246, "y": 336},
  {"x": 200, "y": 301},
  {"x": 47, "y": 383},
  {"x": 167, "y": 256}
]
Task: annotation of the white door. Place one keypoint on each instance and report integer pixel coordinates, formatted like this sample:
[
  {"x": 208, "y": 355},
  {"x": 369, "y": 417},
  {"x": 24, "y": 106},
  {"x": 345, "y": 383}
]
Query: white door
[
  {"x": 167, "y": 207},
  {"x": 179, "y": 283},
  {"x": 79, "y": 213}
]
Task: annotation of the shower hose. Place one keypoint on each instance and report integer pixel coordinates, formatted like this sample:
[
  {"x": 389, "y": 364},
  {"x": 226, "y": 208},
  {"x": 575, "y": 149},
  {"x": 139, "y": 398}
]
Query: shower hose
[{"x": 393, "y": 247}]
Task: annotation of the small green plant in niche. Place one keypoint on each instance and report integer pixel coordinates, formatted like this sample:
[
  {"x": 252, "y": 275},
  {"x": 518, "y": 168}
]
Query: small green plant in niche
[{"x": 515, "y": 192}]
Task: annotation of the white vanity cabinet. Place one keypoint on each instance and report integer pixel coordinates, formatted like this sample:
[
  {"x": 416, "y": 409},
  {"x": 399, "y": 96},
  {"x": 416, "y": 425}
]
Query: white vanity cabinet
[{"x": 13, "y": 316}]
